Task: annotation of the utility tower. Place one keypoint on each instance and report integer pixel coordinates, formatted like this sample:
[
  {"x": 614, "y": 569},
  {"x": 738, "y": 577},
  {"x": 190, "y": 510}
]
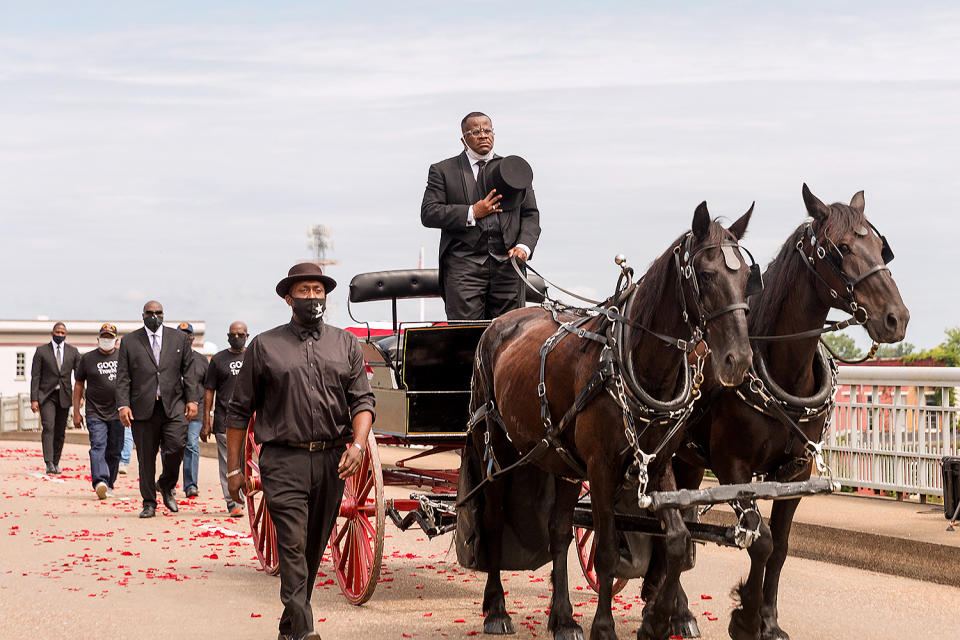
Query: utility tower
[{"x": 318, "y": 241}]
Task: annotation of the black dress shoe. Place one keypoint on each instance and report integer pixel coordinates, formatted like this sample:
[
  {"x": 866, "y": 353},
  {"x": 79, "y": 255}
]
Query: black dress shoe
[
  {"x": 51, "y": 470},
  {"x": 191, "y": 492},
  {"x": 169, "y": 502},
  {"x": 56, "y": 469},
  {"x": 148, "y": 511}
]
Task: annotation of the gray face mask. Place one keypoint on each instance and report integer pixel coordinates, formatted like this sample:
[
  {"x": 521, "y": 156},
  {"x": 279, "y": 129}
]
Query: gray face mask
[
  {"x": 309, "y": 311},
  {"x": 106, "y": 344}
]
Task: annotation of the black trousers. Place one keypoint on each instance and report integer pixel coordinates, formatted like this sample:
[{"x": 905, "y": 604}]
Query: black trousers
[
  {"x": 303, "y": 495},
  {"x": 479, "y": 291},
  {"x": 147, "y": 435},
  {"x": 53, "y": 421}
]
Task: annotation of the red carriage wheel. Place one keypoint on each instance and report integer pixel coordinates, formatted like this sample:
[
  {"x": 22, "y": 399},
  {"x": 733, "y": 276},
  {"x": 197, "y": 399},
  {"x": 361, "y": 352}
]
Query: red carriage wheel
[
  {"x": 261, "y": 525},
  {"x": 356, "y": 544},
  {"x": 586, "y": 549}
]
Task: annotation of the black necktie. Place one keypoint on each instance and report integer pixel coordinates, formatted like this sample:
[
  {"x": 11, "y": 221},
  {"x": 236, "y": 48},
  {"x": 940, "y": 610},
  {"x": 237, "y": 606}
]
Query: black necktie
[{"x": 481, "y": 183}]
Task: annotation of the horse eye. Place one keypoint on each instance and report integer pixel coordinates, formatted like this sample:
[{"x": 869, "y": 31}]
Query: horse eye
[
  {"x": 844, "y": 248},
  {"x": 708, "y": 276}
]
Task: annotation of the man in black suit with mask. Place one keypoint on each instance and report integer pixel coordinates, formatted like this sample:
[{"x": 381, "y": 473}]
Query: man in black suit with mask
[
  {"x": 51, "y": 392},
  {"x": 157, "y": 396},
  {"x": 477, "y": 237}
]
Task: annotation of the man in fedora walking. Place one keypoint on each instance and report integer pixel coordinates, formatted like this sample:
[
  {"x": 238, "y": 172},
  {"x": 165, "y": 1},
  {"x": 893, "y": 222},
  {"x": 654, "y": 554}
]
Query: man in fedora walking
[
  {"x": 478, "y": 233},
  {"x": 307, "y": 384}
]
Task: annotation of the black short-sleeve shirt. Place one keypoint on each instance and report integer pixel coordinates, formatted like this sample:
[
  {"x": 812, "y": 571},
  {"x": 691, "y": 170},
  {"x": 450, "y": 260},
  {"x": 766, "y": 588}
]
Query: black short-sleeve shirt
[
  {"x": 222, "y": 377},
  {"x": 98, "y": 371}
]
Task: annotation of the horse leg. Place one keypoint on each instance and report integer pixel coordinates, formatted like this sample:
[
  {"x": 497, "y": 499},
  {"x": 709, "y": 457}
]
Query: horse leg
[
  {"x": 745, "y": 619},
  {"x": 497, "y": 620},
  {"x": 658, "y": 614},
  {"x": 781, "y": 519},
  {"x": 603, "y": 483},
  {"x": 561, "y": 621},
  {"x": 684, "y": 623}
]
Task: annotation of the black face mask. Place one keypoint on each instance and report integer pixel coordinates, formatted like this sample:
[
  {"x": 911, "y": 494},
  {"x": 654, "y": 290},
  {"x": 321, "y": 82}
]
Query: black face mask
[
  {"x": 237, "y": 343},
  {"x": 59, "y": 339},
  {"x": 153, "y": 322},
  {"x": 309, "y": 311}
]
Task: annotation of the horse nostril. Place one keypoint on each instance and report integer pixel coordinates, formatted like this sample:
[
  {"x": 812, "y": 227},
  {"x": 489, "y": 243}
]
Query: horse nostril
[{"x": 892, "y": 321}]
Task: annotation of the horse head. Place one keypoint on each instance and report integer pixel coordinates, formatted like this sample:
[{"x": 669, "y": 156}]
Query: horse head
[
  {"x": 850, "y": 257},
  {"x": 717, "y": 276}
]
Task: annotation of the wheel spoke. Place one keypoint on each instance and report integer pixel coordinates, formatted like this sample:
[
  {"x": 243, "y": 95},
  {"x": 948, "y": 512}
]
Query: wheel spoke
[
  {"x": 365, "y": 489},
  {"x": 340, "y": 534}
]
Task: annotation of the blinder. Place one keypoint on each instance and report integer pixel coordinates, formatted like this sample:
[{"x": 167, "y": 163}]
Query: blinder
[{"x": 886, "y": 253}]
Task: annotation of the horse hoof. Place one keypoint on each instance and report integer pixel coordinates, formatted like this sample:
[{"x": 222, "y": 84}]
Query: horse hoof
[
  {"x": 572, "y": 632},
  {"x": 737, "y": 627},
  {"x": 686, "y": 628},
  {"x": 776, "y": 633},
  {"x": 499, "y": 625}
]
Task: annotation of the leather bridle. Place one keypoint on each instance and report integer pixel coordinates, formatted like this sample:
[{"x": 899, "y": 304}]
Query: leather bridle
[{"x": 826, "y": 251}]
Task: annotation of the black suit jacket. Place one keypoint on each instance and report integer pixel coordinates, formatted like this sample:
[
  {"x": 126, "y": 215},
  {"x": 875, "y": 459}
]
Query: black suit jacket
[
  {"x": 45, "y": 375},
  {"x": 138, "y": 374},
  {"x": 451, "y": 189}
]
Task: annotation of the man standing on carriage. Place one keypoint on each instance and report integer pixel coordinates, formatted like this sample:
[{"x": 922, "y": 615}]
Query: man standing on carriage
[
  {"x": 486, "y": 211},
  {"x": 308, "y": 387}
]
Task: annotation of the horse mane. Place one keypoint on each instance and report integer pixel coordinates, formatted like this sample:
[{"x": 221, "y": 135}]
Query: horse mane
[
  {"x": 656, "y": 280},
  {"x": 783, "y": 271}
]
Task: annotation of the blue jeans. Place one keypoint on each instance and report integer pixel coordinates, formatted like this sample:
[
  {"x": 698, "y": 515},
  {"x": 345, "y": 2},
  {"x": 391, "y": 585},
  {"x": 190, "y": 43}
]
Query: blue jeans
[
  {"x": 127, "y": 445},
  {"x": 106, "y": 443},
  {"x": 191, "y": 455}
]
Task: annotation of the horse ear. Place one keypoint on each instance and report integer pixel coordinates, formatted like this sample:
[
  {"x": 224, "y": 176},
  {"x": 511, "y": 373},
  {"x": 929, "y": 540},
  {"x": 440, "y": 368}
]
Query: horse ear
[
  {"x": 701, "y": 221},
  {"x": 857, "y": 201},
  {"x": 739, "y": 228},
  {"x": 815, "y": 208}
]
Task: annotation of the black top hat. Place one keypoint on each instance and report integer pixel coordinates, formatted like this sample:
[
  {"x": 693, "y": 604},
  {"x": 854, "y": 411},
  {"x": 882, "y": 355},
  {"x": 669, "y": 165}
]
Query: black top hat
[
  {"x": 305, "y": 271},
  {"x": 511, "y": 176}
]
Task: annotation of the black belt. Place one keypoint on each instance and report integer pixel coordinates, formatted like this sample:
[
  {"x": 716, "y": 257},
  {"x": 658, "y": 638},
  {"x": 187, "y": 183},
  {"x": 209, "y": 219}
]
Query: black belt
[{"x": 319, "y": 445}]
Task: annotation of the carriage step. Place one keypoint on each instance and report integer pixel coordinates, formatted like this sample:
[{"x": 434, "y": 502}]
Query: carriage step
[{"x": 748, "y": 491}]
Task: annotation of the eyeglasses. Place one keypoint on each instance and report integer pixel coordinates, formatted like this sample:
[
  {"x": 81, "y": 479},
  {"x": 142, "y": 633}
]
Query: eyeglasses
[
  {"x": 153, "y": 313},
  {"x": 236, "y": 335},
  {"x": 476, "y": 132}
]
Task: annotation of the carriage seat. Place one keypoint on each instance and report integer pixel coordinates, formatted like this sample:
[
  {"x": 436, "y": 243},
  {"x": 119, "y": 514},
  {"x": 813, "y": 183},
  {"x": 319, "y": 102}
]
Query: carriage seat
[
  {"x": 390, "y": 346},
  {"x": 415, "y": 283}
]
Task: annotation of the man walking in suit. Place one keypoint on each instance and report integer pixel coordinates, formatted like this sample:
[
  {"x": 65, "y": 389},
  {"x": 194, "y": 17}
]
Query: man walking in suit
[
  {"x": 477, "y": 237},
  {"x": 51, "y": 392},
  {"x": 157, "y": 396}
]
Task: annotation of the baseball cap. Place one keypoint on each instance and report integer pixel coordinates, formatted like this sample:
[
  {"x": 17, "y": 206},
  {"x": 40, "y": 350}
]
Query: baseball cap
[
  {"x": 109, "y": 329},
  {"x": 186, "y": 326}
]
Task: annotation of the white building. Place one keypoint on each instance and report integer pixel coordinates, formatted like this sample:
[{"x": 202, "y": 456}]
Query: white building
[{"x": 19, "y": 340}]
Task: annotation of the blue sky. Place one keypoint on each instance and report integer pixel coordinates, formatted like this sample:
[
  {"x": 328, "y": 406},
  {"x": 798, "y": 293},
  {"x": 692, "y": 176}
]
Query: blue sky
[{"x": 179, "y": 152}]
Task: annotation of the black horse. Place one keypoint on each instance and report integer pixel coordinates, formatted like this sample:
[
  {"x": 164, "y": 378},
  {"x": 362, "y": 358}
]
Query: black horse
[
  {"x": 690, "y": 291},
  {"x": 836, "y": 260}
]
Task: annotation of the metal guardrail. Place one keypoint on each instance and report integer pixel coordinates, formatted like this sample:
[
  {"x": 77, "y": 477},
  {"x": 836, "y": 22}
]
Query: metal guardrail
[
  {"x": 892, "y": 425},
  {"x": 15, "y": 414}
]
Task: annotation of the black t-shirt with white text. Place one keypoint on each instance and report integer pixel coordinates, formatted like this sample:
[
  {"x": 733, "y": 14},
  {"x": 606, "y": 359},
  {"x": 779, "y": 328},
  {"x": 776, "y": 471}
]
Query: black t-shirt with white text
[
  {"x": 221, "y": 377},
  {"x": 98, "y": 371}
]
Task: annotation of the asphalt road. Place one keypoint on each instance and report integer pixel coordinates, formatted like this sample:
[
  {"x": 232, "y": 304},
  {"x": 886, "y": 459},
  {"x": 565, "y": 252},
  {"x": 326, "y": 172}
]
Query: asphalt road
[{"x": 72, "y": 566}]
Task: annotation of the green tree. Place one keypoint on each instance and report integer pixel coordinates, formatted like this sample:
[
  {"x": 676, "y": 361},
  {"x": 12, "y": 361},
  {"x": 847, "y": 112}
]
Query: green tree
[
  {"x": 947, "y": 351},
  {"x": 843, "y": 345},
  {"x": 898, "y": 350}
]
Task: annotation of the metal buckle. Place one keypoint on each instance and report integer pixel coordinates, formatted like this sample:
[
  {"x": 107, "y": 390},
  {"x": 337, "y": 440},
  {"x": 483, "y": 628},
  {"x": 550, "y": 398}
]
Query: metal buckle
[
  {"x": 315, "y": 446},
  {"x": 542, "y": 389}
]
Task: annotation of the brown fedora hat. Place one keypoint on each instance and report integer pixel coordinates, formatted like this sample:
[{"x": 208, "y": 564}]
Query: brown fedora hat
[{"x": 305, "y": 271}]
